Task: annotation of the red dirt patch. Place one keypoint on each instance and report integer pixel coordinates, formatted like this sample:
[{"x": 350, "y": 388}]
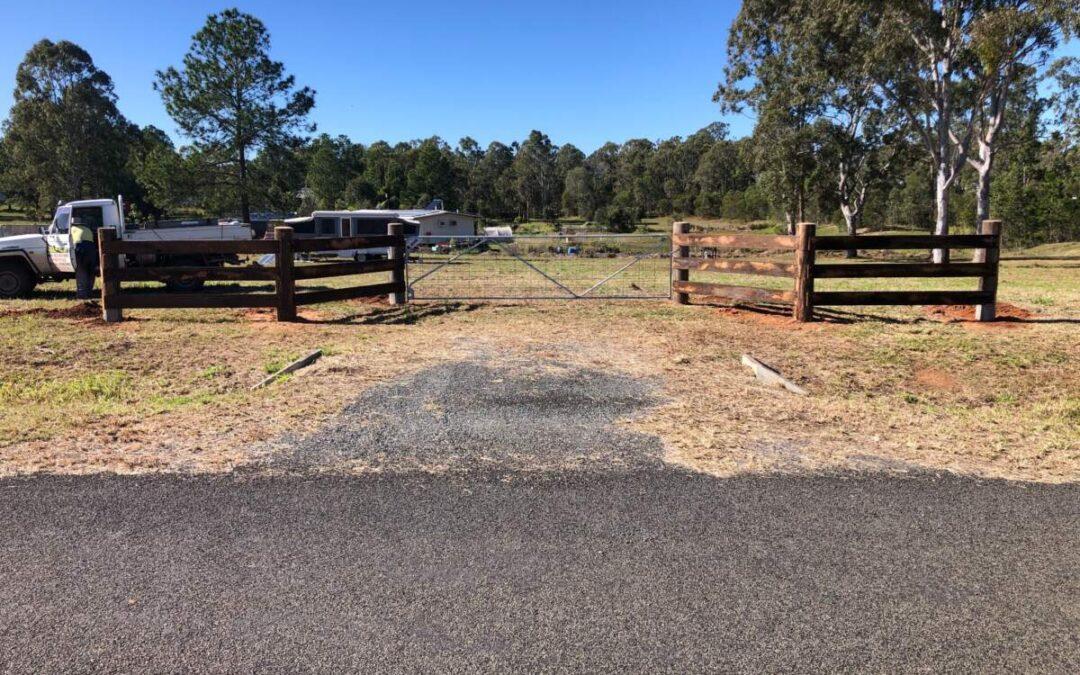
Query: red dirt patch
[
  {"x": 262, "y": 314},
  {"x": 82, "y": 310},
  {"x": 1008, "y": 316},
  {"x": 932, "y": 378}
]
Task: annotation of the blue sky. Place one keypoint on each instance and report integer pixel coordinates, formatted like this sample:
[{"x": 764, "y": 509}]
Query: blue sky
[{"x": 584, "y": 71}]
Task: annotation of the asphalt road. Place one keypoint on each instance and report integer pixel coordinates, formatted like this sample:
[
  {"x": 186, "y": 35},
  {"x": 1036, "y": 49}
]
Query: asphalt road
[{"x": 652, "y": 569}]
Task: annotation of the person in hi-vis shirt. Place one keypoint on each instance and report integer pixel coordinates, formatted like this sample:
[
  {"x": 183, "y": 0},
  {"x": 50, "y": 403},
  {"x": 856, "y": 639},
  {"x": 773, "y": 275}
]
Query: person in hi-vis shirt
[{"x": 84, "y": 257}]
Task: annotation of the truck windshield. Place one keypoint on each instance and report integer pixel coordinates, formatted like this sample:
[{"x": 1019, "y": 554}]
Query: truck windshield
[{"x": 60, "y": 223}]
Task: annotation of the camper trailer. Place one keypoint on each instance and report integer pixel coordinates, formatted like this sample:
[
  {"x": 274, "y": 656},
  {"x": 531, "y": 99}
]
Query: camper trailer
[{"x": 433, "y": 225}]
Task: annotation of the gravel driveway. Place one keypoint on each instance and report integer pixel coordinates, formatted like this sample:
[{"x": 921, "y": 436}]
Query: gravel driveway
[{"x": 513, "y": 415}]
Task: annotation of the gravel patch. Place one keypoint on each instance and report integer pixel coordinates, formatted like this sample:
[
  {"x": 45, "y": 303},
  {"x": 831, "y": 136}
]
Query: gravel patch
[{"x": 516, "y": 415}]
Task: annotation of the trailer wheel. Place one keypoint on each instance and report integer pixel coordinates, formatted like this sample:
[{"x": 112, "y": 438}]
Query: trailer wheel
[
  {"x": 184, "y": 285},
  {"x": 16, "y": 280}
]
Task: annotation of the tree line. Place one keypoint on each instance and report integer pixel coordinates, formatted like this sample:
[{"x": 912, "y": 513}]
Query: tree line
[{"x": 873, "y": 114}]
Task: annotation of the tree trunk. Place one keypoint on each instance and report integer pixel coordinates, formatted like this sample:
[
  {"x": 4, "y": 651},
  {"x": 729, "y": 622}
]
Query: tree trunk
[
  {"x": 852, "y": 218},
  {"x": 245, "y": 206},
  {"x": 941, "y": 214},
  {"x": 982, "y": 200}
]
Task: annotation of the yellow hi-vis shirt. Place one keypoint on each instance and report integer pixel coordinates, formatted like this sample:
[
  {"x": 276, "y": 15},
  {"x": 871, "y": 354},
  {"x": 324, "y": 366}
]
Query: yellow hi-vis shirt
[{"x": 81, "y": 233}]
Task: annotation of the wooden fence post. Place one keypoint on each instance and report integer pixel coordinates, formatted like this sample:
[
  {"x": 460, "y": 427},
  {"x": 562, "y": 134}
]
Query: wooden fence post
[
  {"x": 286, "y": 283},
  {"x": 680, "y": 252},
  {"x": 397, "y": 275},
  {"x": 804, "y": 271},
  {"x": 988, "y": 283},
  {"x": 110, "y": 287}
]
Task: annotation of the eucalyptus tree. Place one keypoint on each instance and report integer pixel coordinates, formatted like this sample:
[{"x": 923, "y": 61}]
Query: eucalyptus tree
[
  {"x": 1065, "y": 73},
  {"x": 492, "y": 181},
  {"x": 816, "y": 105},
  {"x": 1010, "y": 38},
  {"x": 766, "y": 72},
  {"x": 65, "y": 137},
  {"x": 535, "y": 176},
  {"x": 231, "y": 99},
  {"x": 948, "y": 65}
]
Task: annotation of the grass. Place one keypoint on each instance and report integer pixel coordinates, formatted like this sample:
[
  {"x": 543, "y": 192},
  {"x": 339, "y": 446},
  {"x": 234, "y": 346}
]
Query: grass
[{"x": 170, "y": 389}]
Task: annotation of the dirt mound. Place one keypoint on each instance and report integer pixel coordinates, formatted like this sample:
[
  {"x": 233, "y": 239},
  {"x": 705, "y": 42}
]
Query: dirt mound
[
  {"x": 82, "y": 310},
  {"x": 964, "y": 313}
]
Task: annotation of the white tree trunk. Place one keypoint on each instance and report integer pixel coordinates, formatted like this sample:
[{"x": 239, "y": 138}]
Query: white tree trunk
[
  {"x": 852, "y": 218},
  {"x": 941, "y": 210},
  {"x": 982, "y": 202}
]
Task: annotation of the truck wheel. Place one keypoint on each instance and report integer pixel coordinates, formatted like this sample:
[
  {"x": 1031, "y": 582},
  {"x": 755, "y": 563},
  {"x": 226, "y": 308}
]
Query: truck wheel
[
  {"x": 16, "y": 281},
  {"x": 184, "y": 285}
]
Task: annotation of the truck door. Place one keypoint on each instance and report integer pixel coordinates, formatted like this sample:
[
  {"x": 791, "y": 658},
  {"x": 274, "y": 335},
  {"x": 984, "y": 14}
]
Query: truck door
[{"x": 58, "y": 241}]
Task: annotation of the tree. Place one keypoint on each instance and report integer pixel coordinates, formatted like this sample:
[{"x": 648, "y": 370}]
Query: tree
[
  {"x": 1009, "y": 39},
  {"x": 579, "y": 193},
  {"x": 1066, "y": 100},
  {"x": 812, "y": 99},
  {"x": 431, "y": 175},
  {"x": 786, "y": 93},
  {"x": 280, "y": 172},
  {"x": 65, "y": 138},
  {"x": 492, "y": 184},
  {"x": 947, "y": 65},
  {"x": 147, "y": 148},
  {"x": 232, "y": 100},
  {"x": 535, "y": 176},
  {"x": 331, "y": 163}
]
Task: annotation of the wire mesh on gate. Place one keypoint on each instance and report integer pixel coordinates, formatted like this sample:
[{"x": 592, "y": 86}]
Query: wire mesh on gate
[{"x": 540, "y": 267}]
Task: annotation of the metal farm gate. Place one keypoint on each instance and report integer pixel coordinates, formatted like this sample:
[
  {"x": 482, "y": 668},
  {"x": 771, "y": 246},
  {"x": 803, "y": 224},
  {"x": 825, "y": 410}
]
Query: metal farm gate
[{"x": 541, "y": 267}]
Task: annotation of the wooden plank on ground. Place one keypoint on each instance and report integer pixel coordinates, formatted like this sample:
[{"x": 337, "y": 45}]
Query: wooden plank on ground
[
  {"x": 350, "y": 293},
  {"x": 347, "y": 243},
  {"x": 191, "y": 300},
  {"x": 341, "y": 269},
  {"x": 901, "y": 241},
  {"x": 765, "y": 242},
  {"x": 193, "y": 247},
  {"x": 740, "y": 293},
  {"x": 203, "y": 273},
  {"x": 882, "y": 270},
  {"x": 771, "y": 376},
  {"x": 302, "y": 362},
  {"x": 762, "y": 267},
  {"x": 839, "y": 298}
]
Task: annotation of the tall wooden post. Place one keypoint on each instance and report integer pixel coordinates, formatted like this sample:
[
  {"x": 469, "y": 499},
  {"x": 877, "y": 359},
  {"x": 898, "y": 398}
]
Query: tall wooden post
[
  {"x": 679, "y": 251},
  {"x": 988, "y": 282},
  {"x": 286, "y": 283},
  {"x": 397, "y": 275},
  {"x": 109, "y": 262},
  {"x": 804, "y": 271}
]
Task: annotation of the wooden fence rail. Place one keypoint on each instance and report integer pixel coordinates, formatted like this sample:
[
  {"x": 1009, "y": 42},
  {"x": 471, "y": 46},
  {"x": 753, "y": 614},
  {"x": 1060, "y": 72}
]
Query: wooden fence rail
[
  {"x": 286, "y": 296},
  {"x": 806, "y": 269}
]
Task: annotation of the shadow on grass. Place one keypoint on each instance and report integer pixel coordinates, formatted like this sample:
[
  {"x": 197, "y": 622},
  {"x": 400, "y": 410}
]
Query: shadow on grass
[
  {"x": 397, "y": 315},
  {"x": 829, "y": 315}
]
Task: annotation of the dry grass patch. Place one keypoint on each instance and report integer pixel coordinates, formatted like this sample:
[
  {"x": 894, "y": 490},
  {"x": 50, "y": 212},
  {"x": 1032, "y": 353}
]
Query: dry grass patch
[{"x": 892, "y": 390}]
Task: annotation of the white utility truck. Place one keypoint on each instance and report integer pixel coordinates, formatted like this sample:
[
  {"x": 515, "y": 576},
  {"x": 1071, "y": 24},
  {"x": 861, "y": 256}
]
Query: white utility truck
[{"x": 28, "y": 259}]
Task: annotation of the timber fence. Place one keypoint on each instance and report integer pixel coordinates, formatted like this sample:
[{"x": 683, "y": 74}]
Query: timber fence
[
  {"x": 284, "y": 274},
  {"x": 806, "y": 269}
]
